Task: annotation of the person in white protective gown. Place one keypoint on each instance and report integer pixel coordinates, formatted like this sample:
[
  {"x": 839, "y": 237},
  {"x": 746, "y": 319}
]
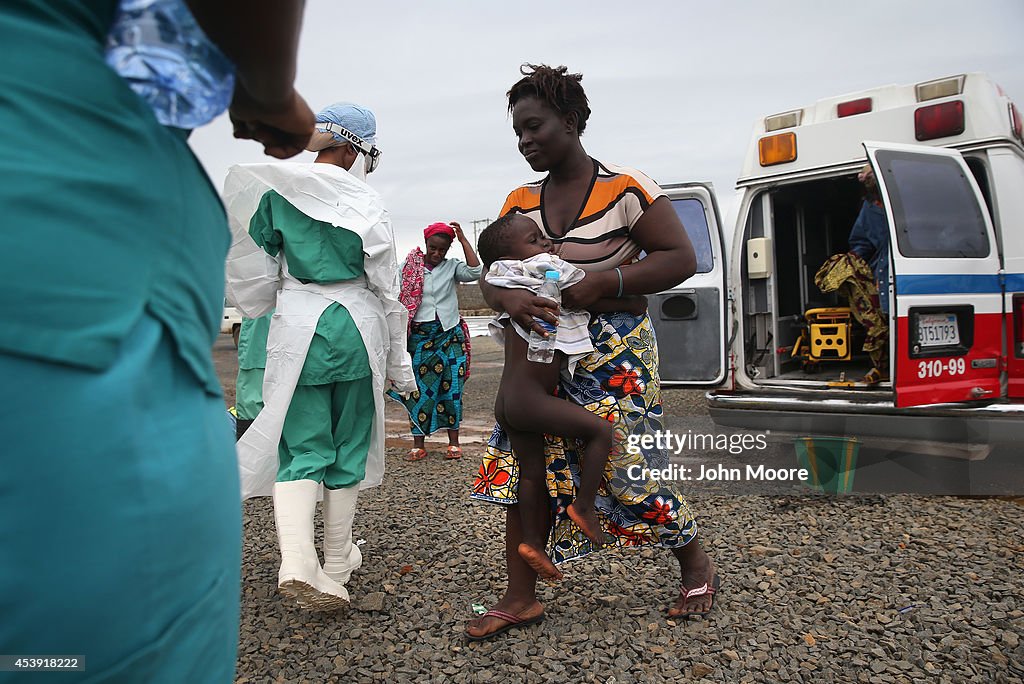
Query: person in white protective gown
[{"x": 315, "y": 241}]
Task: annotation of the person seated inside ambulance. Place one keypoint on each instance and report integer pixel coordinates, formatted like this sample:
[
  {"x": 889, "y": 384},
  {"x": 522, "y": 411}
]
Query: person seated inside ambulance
[{"x": 862, "y": 276}]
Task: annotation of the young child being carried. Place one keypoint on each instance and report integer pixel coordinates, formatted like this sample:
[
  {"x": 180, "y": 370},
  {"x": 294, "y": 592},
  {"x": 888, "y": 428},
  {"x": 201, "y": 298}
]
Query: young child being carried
[{"x": 517, "y": 254}]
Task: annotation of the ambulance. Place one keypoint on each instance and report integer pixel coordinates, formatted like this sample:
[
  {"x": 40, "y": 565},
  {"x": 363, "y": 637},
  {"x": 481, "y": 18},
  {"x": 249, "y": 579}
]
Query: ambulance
[{"x": 778, "y": 354}]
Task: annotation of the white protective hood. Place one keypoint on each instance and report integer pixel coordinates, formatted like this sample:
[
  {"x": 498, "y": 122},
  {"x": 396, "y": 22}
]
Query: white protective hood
[{"x": 257, "y": 283}]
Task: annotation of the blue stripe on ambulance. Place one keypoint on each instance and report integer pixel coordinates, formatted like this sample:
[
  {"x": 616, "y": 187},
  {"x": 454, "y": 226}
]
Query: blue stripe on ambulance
[{"x": 963, "y": 283}]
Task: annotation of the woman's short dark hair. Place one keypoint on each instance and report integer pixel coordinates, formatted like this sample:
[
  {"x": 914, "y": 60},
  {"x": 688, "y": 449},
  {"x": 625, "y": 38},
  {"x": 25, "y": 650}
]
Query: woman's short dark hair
[{"x": 555, "y": 86}]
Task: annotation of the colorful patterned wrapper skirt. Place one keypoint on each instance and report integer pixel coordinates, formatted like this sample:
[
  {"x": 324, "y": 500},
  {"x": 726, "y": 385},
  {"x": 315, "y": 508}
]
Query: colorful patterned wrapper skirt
[
  {"x": 619, "y": 382},
  {"x": 440, "y": 365}
]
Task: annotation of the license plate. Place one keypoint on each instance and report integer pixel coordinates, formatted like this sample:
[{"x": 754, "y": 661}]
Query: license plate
[{"x": 937, "y": 330}]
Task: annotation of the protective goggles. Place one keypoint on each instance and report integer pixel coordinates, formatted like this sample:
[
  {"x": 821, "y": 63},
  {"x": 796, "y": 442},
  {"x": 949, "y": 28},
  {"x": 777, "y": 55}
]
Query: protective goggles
[{"x": 372, "y": 152}]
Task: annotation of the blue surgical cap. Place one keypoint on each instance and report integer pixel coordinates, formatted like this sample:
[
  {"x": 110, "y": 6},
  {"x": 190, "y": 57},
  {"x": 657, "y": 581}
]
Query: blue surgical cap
[{"x": 359, "y": 120}]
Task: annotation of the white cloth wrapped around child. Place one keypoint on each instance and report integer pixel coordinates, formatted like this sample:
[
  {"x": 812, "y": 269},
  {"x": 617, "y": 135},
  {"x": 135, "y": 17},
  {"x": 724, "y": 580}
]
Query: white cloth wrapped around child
[{"x": 572, "y": 337}]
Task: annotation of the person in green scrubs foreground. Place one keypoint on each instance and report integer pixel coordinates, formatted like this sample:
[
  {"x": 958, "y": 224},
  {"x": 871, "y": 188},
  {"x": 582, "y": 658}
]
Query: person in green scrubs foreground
[{"x": 121, "y": 531}]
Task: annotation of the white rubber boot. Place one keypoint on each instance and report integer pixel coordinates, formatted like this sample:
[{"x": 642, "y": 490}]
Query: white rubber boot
[
  {"x": 301, "y": 575},
  {"x": 341, "y": 556}
]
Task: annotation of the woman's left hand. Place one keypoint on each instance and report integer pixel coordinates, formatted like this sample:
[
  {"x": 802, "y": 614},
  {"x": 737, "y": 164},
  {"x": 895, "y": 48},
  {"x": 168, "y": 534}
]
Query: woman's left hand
[
  {"x": 635, "y": 305},
  {"x": 584, "y": 293}
]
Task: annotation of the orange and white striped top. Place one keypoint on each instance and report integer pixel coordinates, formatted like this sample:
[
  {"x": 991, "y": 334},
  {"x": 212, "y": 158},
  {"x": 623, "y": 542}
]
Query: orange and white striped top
[{"x": 599, "y": 238}]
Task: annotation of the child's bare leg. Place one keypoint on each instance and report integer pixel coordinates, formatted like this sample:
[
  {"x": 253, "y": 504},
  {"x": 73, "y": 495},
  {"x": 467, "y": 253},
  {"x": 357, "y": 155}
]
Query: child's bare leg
[
  {"x": 534, "y": 508},
  {"x": 533, "y": 499},
  {"x": 528, "y": 410},
  {"x": 582, "y": 510}
]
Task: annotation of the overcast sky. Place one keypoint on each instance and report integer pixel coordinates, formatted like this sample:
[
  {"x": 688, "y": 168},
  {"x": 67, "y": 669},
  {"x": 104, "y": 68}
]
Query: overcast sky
[{"x": 675, "y": 86}]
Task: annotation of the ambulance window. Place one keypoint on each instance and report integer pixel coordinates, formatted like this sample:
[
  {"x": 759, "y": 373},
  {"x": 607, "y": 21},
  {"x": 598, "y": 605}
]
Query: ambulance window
[
  {"x": 935, "y": 208},
  {"x": 691, "y": 213},
  {"x": 977, "y": 168}
]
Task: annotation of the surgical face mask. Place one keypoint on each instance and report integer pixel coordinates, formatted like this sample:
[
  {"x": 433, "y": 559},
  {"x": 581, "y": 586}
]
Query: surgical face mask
[{"x": 359, "y": 167}]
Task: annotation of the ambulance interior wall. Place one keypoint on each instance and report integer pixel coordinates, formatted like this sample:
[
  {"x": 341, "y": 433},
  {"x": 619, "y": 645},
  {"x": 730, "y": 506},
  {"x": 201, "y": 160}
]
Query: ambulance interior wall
[{"x": 810, "y": 222}]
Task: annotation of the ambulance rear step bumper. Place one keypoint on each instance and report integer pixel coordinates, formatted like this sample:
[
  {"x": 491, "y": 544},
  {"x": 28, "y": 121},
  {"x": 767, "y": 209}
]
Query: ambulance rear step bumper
[{"x": 953, "y": 430}]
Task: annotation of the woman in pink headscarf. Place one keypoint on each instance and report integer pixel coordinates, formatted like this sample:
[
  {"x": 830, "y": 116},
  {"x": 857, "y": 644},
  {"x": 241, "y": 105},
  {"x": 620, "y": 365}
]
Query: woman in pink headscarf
[{"x": 438, "y": 337}]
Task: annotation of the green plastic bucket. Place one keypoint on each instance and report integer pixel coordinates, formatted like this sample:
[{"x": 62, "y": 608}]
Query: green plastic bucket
[{"x": 831, "y": 462}]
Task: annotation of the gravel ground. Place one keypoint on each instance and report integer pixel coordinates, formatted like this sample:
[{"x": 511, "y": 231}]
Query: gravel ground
[{"x": 892, "y": 588}]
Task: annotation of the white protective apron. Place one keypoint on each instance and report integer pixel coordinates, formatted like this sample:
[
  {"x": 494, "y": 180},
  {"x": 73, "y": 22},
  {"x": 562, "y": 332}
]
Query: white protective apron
[{"x": 256, "y": 282}]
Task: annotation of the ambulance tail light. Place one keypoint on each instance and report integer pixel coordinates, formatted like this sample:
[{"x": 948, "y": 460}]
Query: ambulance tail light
[
  {"x": 1015, "y": 122},
  {"x": 1018, "y": 325},
  {"x": 777, "y": 122},
  {"x": 861, "y": 106},
  {"x": 939, "y": 120},
  {"x": 777, "y": 149},
  {"x": 944, "y": 87}
]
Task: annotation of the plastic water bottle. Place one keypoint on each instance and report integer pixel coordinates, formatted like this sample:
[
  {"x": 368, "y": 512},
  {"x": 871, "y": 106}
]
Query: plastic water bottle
[
  {"x": 542, "y": 349},
  {"x": 163, "y": 54}
]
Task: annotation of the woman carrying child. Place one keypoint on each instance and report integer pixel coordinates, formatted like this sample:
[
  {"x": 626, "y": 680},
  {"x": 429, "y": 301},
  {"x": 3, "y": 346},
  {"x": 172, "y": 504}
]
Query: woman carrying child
[
  {"x": 519, "y": 256},
  {"x": 600, "y": 217}
]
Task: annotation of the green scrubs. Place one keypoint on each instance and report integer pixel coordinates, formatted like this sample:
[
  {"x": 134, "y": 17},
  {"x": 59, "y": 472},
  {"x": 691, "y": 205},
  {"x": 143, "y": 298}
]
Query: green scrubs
[
  {"x": 326, "y": 433},
  {"x": 122, "y": 533},
  {"x": 119, "y": 488},
  {"x": 252, "y": 362}
]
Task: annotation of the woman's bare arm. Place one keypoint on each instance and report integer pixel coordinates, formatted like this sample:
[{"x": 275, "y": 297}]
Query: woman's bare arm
[
  {"x": 467, "y": 246},
  {"x": 670, "y": 257},
  {"x": 633, "y": 304},
  {"x": 670, "y": 260}
]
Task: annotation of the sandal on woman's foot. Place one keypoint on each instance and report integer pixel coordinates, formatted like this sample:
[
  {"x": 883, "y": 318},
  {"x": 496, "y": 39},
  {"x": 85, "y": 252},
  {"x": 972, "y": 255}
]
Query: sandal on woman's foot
[
  {"x": 703, "y": 590},
  {"x": 416, "y": 454},
  {"x": 453, "y": 452},
  {"x": 512, "y": 621}
]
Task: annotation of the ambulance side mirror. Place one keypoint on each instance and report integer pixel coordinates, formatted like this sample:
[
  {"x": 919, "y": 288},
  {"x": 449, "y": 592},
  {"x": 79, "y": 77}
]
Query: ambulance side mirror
[{"x": 759, "y": 257}]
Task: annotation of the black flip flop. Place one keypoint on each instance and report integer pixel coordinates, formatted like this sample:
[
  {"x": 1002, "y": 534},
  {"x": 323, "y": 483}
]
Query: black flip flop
[{"x": 512, "y": 620}]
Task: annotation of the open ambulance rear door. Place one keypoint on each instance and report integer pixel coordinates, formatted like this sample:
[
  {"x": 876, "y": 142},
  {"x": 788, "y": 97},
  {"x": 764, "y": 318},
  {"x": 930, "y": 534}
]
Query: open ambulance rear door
[
  {"x": 947, "y": 298},
  {"x": 690, "y": 319}
]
